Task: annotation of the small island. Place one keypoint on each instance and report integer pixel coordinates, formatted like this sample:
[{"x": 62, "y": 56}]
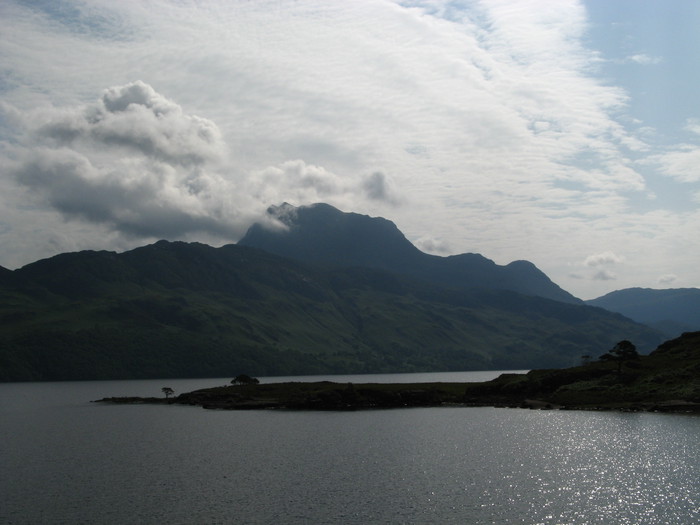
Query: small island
[{"x": 667, "y": 380}]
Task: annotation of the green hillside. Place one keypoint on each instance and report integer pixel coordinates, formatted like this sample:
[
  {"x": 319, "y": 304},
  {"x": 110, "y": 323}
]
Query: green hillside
[{"x": 190, "y": 310}]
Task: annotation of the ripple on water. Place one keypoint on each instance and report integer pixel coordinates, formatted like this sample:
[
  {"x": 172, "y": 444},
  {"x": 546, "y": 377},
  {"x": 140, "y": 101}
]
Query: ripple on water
[{"x": 83, "y": 463}]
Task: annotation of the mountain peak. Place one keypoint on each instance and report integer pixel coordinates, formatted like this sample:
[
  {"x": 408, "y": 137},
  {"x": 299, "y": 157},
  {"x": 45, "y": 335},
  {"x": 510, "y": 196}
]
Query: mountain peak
[
  {"x": 285, "y": 213},
  {"x": 323, "y": 234},
  {"x": 320, "y": 233}
]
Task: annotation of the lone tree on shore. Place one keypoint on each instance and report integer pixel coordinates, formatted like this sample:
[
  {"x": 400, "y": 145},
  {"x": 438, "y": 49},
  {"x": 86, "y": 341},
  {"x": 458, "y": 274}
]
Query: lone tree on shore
[
  {"x": 244, "y": 379},
  {"x": 167, "y": 391},
  {"x": 620, "y": 353}
]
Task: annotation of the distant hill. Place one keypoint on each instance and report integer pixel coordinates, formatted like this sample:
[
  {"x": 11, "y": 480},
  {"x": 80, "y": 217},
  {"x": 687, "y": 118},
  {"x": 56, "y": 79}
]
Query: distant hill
[
  {"x": 671, "y": 311},
  {"x": 322, "y": 234},
  {"x": 174, "y": 309}
]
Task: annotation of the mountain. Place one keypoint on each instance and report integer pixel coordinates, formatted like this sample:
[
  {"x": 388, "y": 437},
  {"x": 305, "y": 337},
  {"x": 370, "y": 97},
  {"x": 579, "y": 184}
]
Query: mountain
[
  {"x": 174, "y": 309},
  {"x": 5, "y": 274},
  {"x": 322, "y": 234},
  {"x": 671, "y": 311}
]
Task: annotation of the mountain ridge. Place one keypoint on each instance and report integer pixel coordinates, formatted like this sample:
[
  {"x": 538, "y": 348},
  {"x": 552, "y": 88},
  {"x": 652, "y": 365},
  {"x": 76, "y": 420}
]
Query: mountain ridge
[
  {"x": 175, "y": 309},
  {"x": 671, "y": 310},
  {"x": 320, "y": 233}
]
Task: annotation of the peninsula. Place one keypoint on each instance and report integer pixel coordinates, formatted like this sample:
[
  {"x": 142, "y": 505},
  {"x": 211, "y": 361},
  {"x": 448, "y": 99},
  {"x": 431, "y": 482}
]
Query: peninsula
[{"x": 667, "y": 380}]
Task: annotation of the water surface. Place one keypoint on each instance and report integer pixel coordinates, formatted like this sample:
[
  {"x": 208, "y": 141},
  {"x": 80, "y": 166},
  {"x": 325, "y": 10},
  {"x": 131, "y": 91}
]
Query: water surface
[{"x": 65, "y": 460}]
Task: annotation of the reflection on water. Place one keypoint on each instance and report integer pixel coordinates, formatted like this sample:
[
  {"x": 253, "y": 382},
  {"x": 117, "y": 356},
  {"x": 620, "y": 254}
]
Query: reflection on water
[
  {"x": 431, "y": 377},
  {"x": 68, "y": 461}
]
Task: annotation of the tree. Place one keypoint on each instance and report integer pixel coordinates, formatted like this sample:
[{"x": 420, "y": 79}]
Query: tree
[
  {"x": 167, "y": 391},
  {"x": 244, "y": 379},
  {"x": 621, "y": 352}
]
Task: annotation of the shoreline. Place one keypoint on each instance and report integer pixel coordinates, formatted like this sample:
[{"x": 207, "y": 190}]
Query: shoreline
[{"x": 331, "y": 396}]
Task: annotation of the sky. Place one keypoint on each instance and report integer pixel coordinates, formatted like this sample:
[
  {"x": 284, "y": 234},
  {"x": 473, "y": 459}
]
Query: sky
[{"x": 562, "y": 132}]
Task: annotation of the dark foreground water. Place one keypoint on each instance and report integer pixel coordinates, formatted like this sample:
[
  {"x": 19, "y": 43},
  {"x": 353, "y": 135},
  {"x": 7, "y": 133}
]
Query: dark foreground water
[{"x": 65, "y": 460}]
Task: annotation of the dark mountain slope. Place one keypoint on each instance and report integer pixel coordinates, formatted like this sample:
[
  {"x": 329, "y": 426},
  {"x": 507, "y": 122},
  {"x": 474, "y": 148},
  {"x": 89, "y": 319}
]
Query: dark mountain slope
[
  {"x": 190, "y": 310},
  {"x": 323, "y": 234},
  {"x": 671, "y": 311},
  {"x": 668, "y": 379}
]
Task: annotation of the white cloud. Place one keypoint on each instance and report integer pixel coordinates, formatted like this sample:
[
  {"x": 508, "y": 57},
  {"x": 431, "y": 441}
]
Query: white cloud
[
  {"x": 667, "y": 279},
  {"x": 604, "y": 275},
  {"x": 133, "y": 160},
  {"x": 300, "y": 183},
  {"x": 693, "y": 125},
  {"x": 135, "y": 118},
  {"x": 644, "y": 60},
  {"x": 681, "y": 163},
  {"x": 603, "y": 258},
  {"x": 434, "y": 246}
]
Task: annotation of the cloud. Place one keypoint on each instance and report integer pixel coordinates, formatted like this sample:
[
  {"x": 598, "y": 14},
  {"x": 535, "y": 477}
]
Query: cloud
[
  {"x": 137, "y": 119},
  {"x": 133, "y": 160},
  {"x": 682, "y": 163},
  {"x": 136, "y": 196},
  {"x": 693, "y": 125},
  {"x": 604, "y": 275},
  {"x": 136, "y": 161},
  {"x": 434, "y": 246},
  {"x": 644, "y": 60},
  {"x": 600, "y": 262},
  {"x": 301, "y": 183},
  {"x": 603, "y": 258},
  {"x": 378, "y": 188},
  {"x": 667, "y": 279}
]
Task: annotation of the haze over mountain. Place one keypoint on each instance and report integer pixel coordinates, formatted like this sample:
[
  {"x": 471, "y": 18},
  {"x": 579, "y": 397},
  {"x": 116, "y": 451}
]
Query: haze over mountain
[
  {"x": 323, "y": 234},
  {"x": 671, "y": 311}
]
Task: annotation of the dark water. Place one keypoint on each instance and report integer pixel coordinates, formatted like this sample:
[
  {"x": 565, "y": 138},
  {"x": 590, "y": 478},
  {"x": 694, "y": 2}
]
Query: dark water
[{"x": 65, "y": 460}]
